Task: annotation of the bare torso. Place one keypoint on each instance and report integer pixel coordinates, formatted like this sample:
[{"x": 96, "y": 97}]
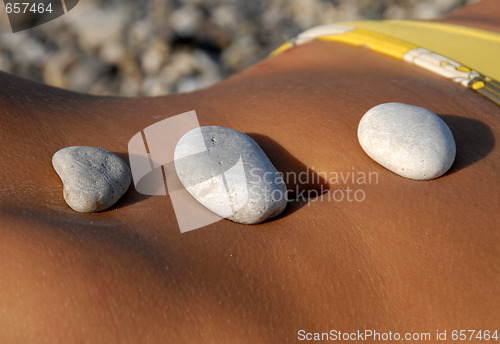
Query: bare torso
[{"x": 412, "y": 257}]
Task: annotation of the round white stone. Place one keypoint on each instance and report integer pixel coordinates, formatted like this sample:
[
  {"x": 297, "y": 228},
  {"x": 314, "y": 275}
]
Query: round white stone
[
  {"x": 408, "y": 140},
  {"x": 93, "y": 178},
  {"x": 227, "y": 172}
]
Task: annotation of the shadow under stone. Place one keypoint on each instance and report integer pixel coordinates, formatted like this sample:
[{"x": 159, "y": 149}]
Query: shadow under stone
[
  {"x": 303, "y": 184},
  {"x": 474, "y": 140}
]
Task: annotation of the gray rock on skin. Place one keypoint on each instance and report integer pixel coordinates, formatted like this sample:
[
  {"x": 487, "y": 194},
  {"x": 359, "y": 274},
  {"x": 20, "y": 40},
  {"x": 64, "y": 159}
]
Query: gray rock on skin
[
  {"x": 93, "y": 178},
  {"x": 408, "y": 140},
  {"x": 227, "y": 172}
]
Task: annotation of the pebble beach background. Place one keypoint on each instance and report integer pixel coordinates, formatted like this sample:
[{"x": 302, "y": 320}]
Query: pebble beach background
[{"x": 157, "y": 47}]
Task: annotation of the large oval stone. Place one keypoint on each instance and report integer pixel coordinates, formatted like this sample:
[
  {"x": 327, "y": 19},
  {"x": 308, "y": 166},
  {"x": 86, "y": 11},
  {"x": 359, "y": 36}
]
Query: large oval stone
[
  {"x": 227, "y": 172},
  {"x": 93, "y": 178},
  {"x": 408, "y": 140}
]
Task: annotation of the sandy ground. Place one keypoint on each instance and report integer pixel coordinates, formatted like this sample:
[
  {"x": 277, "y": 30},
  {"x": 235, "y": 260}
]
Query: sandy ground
[{"x": 155, "y": 47}]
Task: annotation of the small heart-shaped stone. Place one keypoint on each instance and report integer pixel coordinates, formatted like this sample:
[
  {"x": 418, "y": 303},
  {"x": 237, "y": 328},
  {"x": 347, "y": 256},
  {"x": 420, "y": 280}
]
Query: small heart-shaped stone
[{"x": 93, "y": 178}]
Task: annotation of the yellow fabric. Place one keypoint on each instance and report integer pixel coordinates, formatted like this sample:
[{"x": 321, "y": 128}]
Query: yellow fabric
[
  {"x": 373, "y": 40},
  {"x": 464, "y": 55},
  {"x": 477, "y": 49},
  {"x": 280, "y": 49}
]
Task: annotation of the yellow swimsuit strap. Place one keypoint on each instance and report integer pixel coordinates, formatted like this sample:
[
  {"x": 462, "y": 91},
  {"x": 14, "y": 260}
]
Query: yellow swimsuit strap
[{"x": 468, "y": 56}]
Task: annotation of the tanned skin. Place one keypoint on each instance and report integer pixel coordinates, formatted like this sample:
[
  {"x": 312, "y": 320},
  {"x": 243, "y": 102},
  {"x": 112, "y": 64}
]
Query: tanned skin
[{"x": 412, "y": 257}]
